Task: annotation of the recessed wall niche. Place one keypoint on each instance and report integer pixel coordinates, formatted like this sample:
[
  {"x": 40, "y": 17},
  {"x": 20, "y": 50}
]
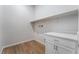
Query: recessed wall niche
[{"x": 62, "y": 23}]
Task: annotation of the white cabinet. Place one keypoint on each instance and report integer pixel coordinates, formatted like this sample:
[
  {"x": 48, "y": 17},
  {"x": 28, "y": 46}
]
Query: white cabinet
[
  {"x": 49, "y": 45},
  {"x": 58, "y": 45},
  {"x": 59, "y": 32},
  {"x": 63, "y": 50}
]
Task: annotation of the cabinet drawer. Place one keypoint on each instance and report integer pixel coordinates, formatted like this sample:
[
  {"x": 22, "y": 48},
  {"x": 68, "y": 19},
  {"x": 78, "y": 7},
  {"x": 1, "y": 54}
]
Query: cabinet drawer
[
  {"x": 66, "y": 42},
  {"x": 62, "y": 41},
  {"x": 63, "y": 50}
]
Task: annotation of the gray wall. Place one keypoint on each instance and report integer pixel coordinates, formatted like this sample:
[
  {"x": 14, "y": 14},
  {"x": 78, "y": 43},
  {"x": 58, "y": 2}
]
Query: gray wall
[
  {"x": 16, "y": 20},
  {"x": 1, "y": 34},
  {"x": 16, "y": 24},
  {"x": 50, "y": 10}
]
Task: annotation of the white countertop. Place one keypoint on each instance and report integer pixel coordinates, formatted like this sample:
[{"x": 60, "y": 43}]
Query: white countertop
[{"x": 62, "y": 35}]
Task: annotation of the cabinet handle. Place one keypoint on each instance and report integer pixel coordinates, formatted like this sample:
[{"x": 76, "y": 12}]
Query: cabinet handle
[{"x": 56, "y": 48}]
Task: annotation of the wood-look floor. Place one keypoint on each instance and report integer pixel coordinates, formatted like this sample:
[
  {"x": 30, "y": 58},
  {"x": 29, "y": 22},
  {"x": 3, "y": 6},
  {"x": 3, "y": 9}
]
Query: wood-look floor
[{"x": 31, "y": 47}]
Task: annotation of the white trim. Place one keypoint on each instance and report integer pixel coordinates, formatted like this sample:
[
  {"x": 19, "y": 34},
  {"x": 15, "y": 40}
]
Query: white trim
[
  {"x": 1, "y": 48},
  {"x": 16, "y": 43},
  {"x": 19, "y": 43},
  {"x": 55, "y": 15}
]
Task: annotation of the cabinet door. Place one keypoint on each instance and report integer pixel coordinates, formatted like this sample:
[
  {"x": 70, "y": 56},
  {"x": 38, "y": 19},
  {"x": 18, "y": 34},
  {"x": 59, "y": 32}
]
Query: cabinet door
[
  {"x": 49, "y": 45},
  {"x": 49, "y": 49},
  {"x": 64, "y": 50}
]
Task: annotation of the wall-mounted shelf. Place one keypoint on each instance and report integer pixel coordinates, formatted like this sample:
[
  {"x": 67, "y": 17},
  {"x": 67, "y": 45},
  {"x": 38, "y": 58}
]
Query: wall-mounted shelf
[{"x": 56, "y": 15}]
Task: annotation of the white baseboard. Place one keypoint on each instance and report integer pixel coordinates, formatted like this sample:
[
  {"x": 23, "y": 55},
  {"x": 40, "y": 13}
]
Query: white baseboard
[
  {"x": 1, "y": 48},
  {"x": 15, "y": 43},
  {"x": 19, "y": 43}
]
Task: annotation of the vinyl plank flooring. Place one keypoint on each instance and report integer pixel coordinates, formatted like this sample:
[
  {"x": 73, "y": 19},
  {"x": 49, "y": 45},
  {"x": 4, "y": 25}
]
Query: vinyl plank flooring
[
  {"x": 31, "y": 47},
  {"x": 9, "y": 50}
]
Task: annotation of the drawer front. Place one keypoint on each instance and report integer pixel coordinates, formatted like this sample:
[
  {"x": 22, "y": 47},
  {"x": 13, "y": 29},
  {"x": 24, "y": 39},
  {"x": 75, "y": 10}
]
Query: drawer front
[
  {"x": 63, "y": 50},
  {"x": 66, "y": 42},
  {"x": 62, "y": 41}
]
